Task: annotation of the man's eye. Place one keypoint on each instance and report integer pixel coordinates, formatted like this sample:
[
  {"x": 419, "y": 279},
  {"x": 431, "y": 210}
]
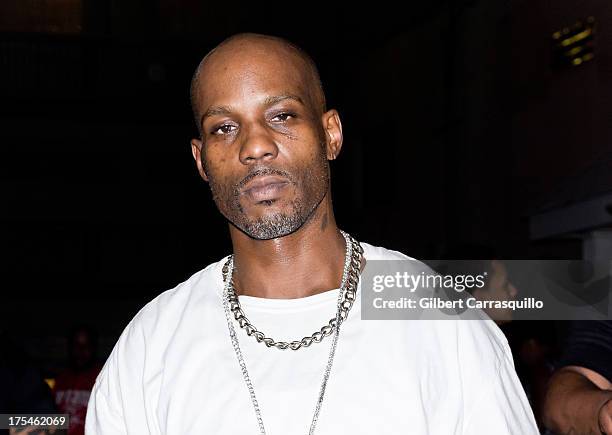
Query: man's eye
[
  {"x": 223, "y": 129},
  {"x": 283, "y": 116}
]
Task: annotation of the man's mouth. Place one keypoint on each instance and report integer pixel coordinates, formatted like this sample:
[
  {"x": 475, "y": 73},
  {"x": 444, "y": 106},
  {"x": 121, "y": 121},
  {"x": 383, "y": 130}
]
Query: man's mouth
[{"x": 264, "y": 188}]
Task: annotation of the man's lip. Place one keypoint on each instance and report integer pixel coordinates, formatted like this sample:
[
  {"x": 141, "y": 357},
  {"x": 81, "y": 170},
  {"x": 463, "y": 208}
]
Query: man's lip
[
  {"x": 264, "y": 188},
  {"x": 259, "y": 183}
]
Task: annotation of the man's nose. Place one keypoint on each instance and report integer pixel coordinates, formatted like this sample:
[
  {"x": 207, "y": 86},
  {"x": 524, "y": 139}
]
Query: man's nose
[{"x": 258, "y": 144}]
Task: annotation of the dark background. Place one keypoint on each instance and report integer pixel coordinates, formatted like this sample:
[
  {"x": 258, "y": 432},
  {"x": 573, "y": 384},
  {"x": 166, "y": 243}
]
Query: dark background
[{"x": 459, "y": 128}]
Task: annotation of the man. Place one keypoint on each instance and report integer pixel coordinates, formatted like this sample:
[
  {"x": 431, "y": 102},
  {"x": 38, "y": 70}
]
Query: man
[
  {"x": 498, "y": 288},
  {"x": 186, "y": 365},
  {"x": 498, "y": 285},
  {"x": 579, "y": 397},
  {"x": 73, "y": 385}
]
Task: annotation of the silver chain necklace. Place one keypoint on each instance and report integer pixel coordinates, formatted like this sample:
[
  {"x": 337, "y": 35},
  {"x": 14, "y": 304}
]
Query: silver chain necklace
[
  {"x": 350, "y": 276},
  {"x": 351, "y": 272}
]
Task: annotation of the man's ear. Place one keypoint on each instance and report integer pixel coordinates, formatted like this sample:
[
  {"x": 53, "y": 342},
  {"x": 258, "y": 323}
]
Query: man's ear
[
  {"x": 196, "y": 151},
  {"x": 333, "y": 133}
]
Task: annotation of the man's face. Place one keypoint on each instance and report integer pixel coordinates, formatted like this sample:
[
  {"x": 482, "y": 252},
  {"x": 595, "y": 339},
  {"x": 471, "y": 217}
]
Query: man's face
[
  {"x": 82, "y": 350},
  {"x": 499, "y": 289},
  {"x": 263, "y": 148}
]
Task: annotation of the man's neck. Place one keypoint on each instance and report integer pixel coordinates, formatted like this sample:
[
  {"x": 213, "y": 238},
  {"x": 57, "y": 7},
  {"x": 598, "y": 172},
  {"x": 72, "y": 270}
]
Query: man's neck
[{"x": 304, "y": 263}]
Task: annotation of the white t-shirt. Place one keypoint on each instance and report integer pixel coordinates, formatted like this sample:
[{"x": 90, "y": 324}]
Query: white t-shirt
[{"x": 174, "y": 371}]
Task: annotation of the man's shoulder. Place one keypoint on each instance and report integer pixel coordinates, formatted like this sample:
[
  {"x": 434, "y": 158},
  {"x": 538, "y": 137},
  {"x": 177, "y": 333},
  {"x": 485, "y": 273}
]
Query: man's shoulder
[
  {"x": 372, "y": 252},
  {"x": 385, "y": 260}
]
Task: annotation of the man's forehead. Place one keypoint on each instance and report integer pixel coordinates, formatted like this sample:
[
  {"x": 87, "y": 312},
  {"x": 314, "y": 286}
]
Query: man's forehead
[
  {"x": 236, "y": 72},
  {"x": 239, "y": 86}
]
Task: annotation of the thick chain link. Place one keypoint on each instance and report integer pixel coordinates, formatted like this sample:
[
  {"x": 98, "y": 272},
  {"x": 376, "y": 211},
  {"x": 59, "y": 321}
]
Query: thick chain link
[{"x": 354, "y": 253}]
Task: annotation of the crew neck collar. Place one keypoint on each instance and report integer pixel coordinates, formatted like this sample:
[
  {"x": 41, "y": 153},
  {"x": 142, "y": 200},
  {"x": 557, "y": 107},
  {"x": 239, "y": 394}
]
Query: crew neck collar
[{"x": 284, "y": 304}]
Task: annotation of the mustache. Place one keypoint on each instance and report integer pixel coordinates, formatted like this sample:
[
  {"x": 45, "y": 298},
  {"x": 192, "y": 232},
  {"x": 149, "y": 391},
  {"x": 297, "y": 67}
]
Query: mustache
[{"x": 262, "y": 172}]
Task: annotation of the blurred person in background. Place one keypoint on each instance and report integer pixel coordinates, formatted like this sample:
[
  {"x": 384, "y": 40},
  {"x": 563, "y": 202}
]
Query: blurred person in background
[
  {"x": 474, "y": 260},
  {"x": 73, "y": 385},
  {"x": 498, "y": 288},
  {"x": 579, "y": 396}
]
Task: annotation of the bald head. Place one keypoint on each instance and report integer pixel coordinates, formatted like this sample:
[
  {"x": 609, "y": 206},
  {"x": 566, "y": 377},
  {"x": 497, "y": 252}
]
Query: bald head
[{"x": 250, "y": 54}]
